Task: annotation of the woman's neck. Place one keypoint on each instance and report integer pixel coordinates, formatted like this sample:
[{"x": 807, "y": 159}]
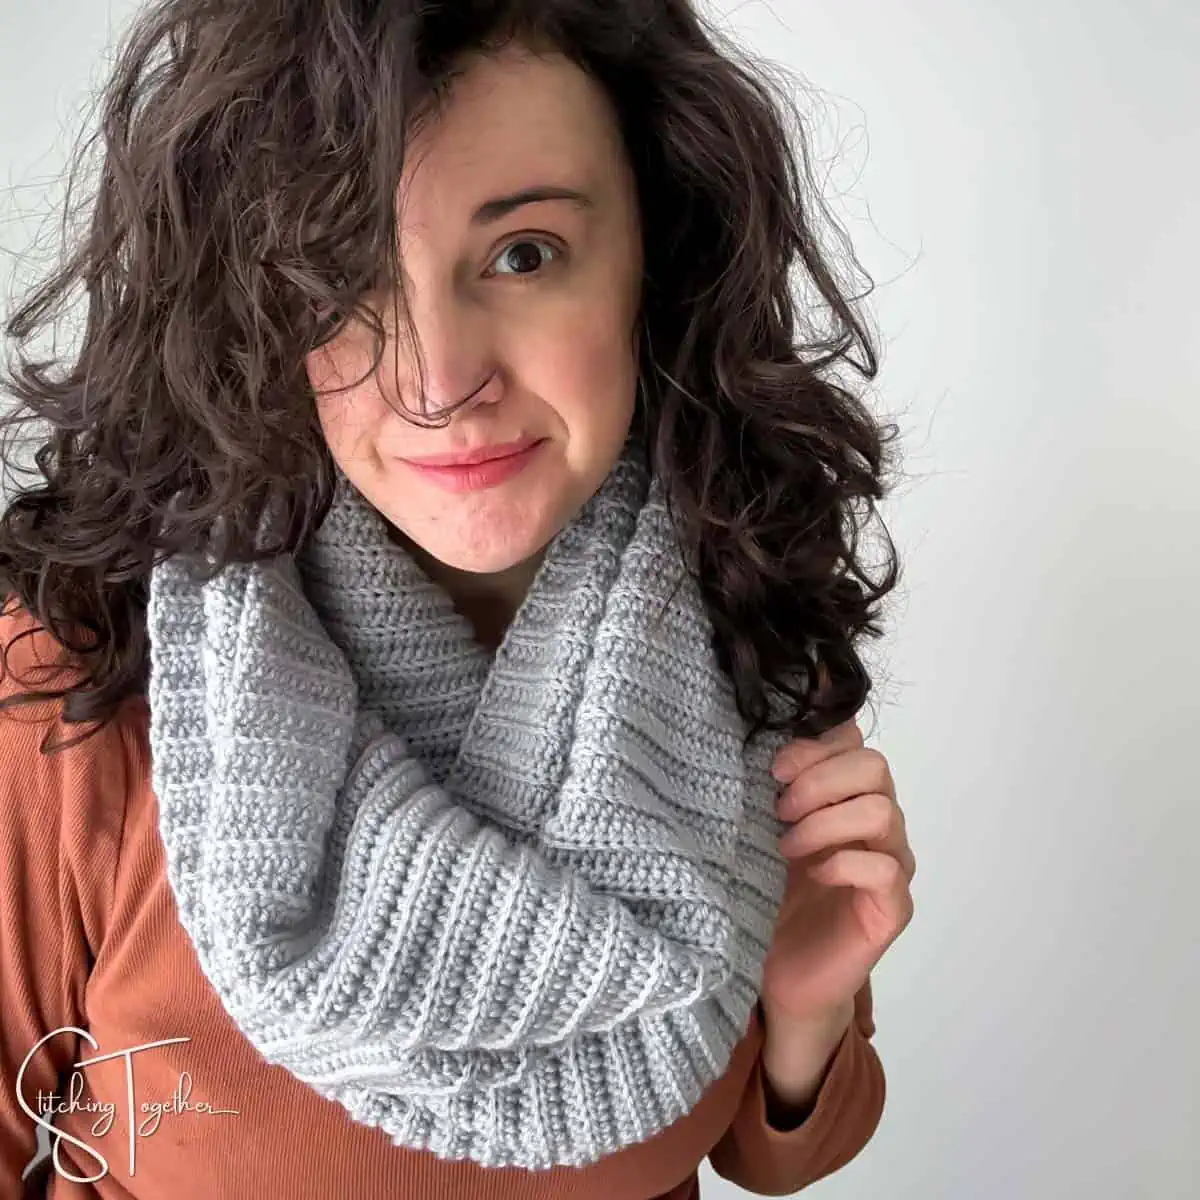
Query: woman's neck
[{"x": 489, "y": 601}]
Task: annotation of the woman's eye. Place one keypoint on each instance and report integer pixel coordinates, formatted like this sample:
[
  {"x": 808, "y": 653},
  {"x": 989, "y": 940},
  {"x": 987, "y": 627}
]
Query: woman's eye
[{"x": 523, "y": 257}]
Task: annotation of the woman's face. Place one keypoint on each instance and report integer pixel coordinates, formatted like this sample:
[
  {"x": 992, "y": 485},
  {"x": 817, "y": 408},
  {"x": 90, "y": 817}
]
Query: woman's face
[{"x": 528, "y": 309}]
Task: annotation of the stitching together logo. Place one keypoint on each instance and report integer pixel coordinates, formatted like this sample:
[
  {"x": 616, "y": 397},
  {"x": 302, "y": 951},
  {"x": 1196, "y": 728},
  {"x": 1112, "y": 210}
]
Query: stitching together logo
[{"x": 51, "y": 1104}]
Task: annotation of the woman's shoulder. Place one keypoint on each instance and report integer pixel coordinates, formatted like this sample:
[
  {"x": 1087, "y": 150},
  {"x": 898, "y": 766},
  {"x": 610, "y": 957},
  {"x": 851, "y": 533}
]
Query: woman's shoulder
[
  {"x": 31, "y": 659},
  {"x": 62, "y": 811},
  {"x": 64, "y": 820}
]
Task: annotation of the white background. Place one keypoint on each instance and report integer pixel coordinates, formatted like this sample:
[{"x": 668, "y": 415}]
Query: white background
[{"x": 1021, "y": 181}]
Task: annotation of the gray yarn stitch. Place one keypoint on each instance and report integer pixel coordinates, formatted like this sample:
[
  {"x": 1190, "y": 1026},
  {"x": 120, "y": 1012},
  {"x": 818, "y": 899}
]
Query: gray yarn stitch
[{"x": 512, "y": 909}]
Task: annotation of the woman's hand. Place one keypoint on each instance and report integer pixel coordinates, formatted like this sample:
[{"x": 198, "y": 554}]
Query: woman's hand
[{"x": 847, "y": 897}]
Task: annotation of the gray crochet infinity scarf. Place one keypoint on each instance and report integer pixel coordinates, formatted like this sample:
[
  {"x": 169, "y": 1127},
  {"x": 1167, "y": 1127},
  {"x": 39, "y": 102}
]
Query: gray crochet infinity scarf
[{"x": 508, "y": 908}]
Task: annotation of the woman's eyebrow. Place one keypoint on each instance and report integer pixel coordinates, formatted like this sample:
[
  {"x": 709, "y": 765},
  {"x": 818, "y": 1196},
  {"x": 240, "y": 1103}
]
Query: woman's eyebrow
[{"x": 501, "y": 206}]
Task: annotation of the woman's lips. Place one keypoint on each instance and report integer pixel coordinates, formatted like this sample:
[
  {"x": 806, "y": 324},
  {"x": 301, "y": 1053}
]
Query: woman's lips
[{"x": 492, "y": 466}]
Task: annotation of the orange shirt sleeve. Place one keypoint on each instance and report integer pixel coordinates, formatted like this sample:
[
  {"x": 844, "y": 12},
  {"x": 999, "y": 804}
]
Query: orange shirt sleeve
[
  {"x": 60, "y": 834},
  {"x": 844, "y": 1116}
]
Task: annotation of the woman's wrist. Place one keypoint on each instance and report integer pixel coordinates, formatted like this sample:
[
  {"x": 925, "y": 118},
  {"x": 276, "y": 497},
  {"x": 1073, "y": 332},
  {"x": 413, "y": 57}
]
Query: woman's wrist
[{"x": 796, "y": 1055}]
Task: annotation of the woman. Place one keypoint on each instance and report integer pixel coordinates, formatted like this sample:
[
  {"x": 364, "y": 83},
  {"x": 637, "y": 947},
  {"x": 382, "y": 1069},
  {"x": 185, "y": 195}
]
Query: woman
[{"x": 441, "y": 533}]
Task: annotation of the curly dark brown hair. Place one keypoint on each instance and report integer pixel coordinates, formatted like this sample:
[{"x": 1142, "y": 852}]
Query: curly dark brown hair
[{"x": 246, "y": 202}]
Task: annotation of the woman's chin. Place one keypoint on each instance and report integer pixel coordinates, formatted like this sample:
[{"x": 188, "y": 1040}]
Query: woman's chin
[
  {"x": 483, "y": 547},
  {"x": 492, "y": 559}
]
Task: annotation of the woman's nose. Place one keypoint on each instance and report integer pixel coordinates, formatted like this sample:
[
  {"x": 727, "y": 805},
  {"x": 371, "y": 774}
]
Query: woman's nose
[{"x": 453, "y": 365}]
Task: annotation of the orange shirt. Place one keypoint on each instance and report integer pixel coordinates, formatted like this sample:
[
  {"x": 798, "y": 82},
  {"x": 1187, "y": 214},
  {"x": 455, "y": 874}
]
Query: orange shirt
[{"x": 93, "y": 960}]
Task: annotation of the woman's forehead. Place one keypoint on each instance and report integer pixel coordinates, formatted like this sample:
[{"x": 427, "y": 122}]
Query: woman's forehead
[{"x": 515, "y": 121}]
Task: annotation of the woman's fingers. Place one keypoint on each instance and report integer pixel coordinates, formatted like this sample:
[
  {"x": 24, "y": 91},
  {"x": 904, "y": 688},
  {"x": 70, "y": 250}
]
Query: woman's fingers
[
  {"x": 835, "y": 778},
  {"x": 879, "y": 877},
  {"x": 802, "y": 753},
  {"x": 873, "y": 821}
]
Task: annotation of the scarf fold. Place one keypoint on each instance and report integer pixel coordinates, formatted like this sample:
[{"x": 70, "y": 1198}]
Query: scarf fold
[{"x": 508, "y": 908}]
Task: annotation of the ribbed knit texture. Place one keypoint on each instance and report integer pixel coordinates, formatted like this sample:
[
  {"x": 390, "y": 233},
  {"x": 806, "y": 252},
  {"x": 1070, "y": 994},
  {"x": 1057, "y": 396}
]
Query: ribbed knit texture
[{"x": 512, "y": 909}]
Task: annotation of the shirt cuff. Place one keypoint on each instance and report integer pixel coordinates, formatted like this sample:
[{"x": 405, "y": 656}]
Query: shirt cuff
[{"x": 843, "y": 1117}]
